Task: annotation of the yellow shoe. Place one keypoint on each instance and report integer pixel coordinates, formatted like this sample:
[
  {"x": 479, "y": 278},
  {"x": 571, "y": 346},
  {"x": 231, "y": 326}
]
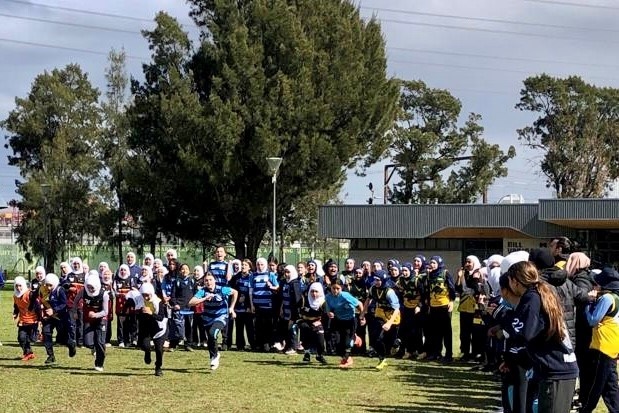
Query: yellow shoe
[{"x": 382, "y": 364}]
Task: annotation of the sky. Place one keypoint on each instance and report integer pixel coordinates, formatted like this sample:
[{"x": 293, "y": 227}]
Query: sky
[{"x": 479, "y": 50}]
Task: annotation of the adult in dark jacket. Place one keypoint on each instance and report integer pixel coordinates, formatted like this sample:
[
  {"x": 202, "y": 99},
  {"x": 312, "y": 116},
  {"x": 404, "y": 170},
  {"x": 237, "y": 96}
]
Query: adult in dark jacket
[
  {"x": 578, "y": 271},
  {"x": 569, "y": 293},
  {"x": 537, "y": 322}
]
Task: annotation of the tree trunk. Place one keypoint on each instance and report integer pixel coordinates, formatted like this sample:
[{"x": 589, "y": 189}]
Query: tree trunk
[
  {"x": 254, "y": 239},
  {"x": 240, "y": 248}
]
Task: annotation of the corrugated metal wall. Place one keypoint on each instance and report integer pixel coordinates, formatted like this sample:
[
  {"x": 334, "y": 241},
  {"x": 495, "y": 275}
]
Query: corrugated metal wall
[{"x": 421, "y": 221}]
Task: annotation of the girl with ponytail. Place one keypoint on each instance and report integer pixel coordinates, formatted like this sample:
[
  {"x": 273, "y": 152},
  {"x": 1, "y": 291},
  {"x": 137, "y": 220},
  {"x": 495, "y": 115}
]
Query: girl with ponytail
[{"x": 537, "y": 324}]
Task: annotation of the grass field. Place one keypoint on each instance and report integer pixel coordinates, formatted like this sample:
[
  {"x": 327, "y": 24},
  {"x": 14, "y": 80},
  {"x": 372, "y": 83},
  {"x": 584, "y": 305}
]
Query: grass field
[{"x": 245, "y": 382}]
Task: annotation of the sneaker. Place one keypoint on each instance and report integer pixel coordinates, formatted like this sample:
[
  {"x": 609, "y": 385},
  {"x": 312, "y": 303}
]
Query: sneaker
[
  {"x": 147, "y": 357},
  {"x": 188, "y": 348},
  {"x": 422, "y": 356},
  {"x": 278, "y": 346},
  {"x": 300, "y": 348},
  {"x": 158, "y": 372},
  {"x": 321, "y": 360},
  {"x": 72, "y": 350},
  {"x": 50, "y": 360},
  {"x": 346, "y": 363},
  {"x": 307, "y": 357},
  {"x": 215, "y": 362},
  {"x": 166, "y": 344},
  {"x": 205, "y": 345},
  {"x": 121, "y": 345},
  {"x": 99, "y": 368},
  {"x": 27, "y": 357},
  {"x": 382, "y": 364},
  {"x": 108, "y": 345},
  {"x": 290, "y": 352}
]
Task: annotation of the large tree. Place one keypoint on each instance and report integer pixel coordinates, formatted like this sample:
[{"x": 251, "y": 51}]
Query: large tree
[
  {"x": 577, "y": 131},
  {"x": 113, "y": 151},
  {"x": 434, "y": 157},
  {"x": 302, "y": 80},
  {"x": 53, "y": 134}
]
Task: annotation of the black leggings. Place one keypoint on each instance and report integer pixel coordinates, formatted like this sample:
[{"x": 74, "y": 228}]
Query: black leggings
[
  {"x": 382, "y": 341},
  {"x": 345, "y": 331},
  {"x": 312, "y": 335}
]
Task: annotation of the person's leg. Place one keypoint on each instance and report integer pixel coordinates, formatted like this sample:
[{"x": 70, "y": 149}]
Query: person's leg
[
  {"x": 610, "y": 393},
  {"x": 120, "y": 330},
  {"x": 239, "y": 331},
  {"x": 212, "y": 332},
  {"x": 466, "y": 330},
  {"x": 22, "y": 339},
  {"x": 446, "y": 333},
  {"x": 555, "y": 396},
  {"x": 158, "y": 354},
  {"x": 99, "y": 342},
  {"x": 599, "y": 371},
  {"x": 188, "y": 325}
]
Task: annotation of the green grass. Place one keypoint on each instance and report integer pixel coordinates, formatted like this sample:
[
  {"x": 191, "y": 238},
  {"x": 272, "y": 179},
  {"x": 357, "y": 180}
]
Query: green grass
[{"x": 245, "y": 382}]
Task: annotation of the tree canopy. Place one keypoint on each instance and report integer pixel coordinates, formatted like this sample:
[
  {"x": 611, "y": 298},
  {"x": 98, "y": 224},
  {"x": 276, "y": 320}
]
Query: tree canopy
[
  {"x": 577, "y": 131},
  {"x": 429, "y": 148},
  {"x": 295, "y": 79},
  {"x": 53, "y": 133}
]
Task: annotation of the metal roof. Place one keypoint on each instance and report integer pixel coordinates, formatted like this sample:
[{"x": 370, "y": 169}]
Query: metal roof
[
  {"x": 581, "y": 213},
  {"x": 423, "y": 221}
]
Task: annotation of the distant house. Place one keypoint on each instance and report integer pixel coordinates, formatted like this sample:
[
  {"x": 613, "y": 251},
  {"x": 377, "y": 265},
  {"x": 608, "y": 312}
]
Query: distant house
[
  {"x": 457, "y": 230},
  {"x": 9, "y": 219}
]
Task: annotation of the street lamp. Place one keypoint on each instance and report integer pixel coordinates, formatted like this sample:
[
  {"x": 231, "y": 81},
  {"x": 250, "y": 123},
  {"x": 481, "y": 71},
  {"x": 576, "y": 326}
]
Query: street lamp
[
  {"x": 45, "y": 191},
  {"x": 274, "y": 164}
]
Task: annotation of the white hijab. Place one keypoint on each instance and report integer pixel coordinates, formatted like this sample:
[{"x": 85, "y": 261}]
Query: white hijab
[
  {"x": 24, "y": 286},
  {"x": 315, "y": 303},
  {"x": 93, "y": 280}
]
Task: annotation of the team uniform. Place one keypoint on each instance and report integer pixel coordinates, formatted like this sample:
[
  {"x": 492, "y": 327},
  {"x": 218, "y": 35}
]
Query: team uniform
[
  {"x": 26, "y": 311},
  {"x": 215, "y": 317}
]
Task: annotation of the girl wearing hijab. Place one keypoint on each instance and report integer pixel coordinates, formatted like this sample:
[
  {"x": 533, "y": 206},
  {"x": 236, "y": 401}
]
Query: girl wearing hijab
[
  {"x": 341, "y": 307},
  {"x": 358, "y": 288},
  {"x": 215, "y": 316},
  {"x": 537, "y": 324},
  {"x": 383, "y": 328},
  {"x": 125, "y": 316},
  {"x": 292, "y": 299},
  {"x": 26, "y": 312},
  {"x": 106, "y": 285},
  {"x": 244, "y": 321},
  {"x": 95, "y": 309},
  {"x": 410, "y": 287},
  {"x": 471, "y": 286},
  {"x": 152, "y": 321},
  {"x": 310, "y": 324},
  {"x": 600, "y": 376},
  {"x": 263, "y": 287},
  {"x": 35, "y": 286},
  {"x": 440, "y": 294},
  {"x": 197, "y": 329},
  {"x": 55, "y": 315}
]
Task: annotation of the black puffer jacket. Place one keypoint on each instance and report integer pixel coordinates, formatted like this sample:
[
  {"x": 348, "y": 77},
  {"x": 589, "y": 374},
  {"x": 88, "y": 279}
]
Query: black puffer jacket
[
  {"x": 583, "y": 279},
  {"x": 569, "y": 294}
]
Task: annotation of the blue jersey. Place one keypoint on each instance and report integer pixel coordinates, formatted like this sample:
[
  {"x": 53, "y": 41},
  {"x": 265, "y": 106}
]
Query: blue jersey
[
  {"x": 342, "y": 305},
  {"x": 262, "y": 296},
  {"x": 219, "y": 269},
  {"x": 215, "y": 309}
]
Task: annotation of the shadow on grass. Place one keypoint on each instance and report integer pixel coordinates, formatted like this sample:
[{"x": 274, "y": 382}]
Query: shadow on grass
[
  {"x": 302, "y": 365},
  {"x": 438, "y": 388}
]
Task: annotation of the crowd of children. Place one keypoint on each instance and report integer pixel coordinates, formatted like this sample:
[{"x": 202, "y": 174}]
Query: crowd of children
[{"x": 515, "y": 315}]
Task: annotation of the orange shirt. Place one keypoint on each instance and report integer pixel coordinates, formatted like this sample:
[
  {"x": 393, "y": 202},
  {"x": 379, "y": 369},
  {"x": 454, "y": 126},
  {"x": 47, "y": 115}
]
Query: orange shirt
[{"x": 26, "y": 316}]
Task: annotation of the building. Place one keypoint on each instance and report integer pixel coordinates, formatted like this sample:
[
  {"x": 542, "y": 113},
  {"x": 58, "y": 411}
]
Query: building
[
  {"x": 457, "y": 230},
  {"x": 9, "y": 219}
]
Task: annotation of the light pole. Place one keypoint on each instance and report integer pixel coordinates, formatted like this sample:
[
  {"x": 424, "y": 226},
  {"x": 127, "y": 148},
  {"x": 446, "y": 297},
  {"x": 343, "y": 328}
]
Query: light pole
[
  {"x": 45, "y": 191},
  {"x": 274, "y": 164}
]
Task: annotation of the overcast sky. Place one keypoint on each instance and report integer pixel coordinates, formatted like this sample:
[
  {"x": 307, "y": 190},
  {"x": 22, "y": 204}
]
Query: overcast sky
[{"x": 480, "y": 50}]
